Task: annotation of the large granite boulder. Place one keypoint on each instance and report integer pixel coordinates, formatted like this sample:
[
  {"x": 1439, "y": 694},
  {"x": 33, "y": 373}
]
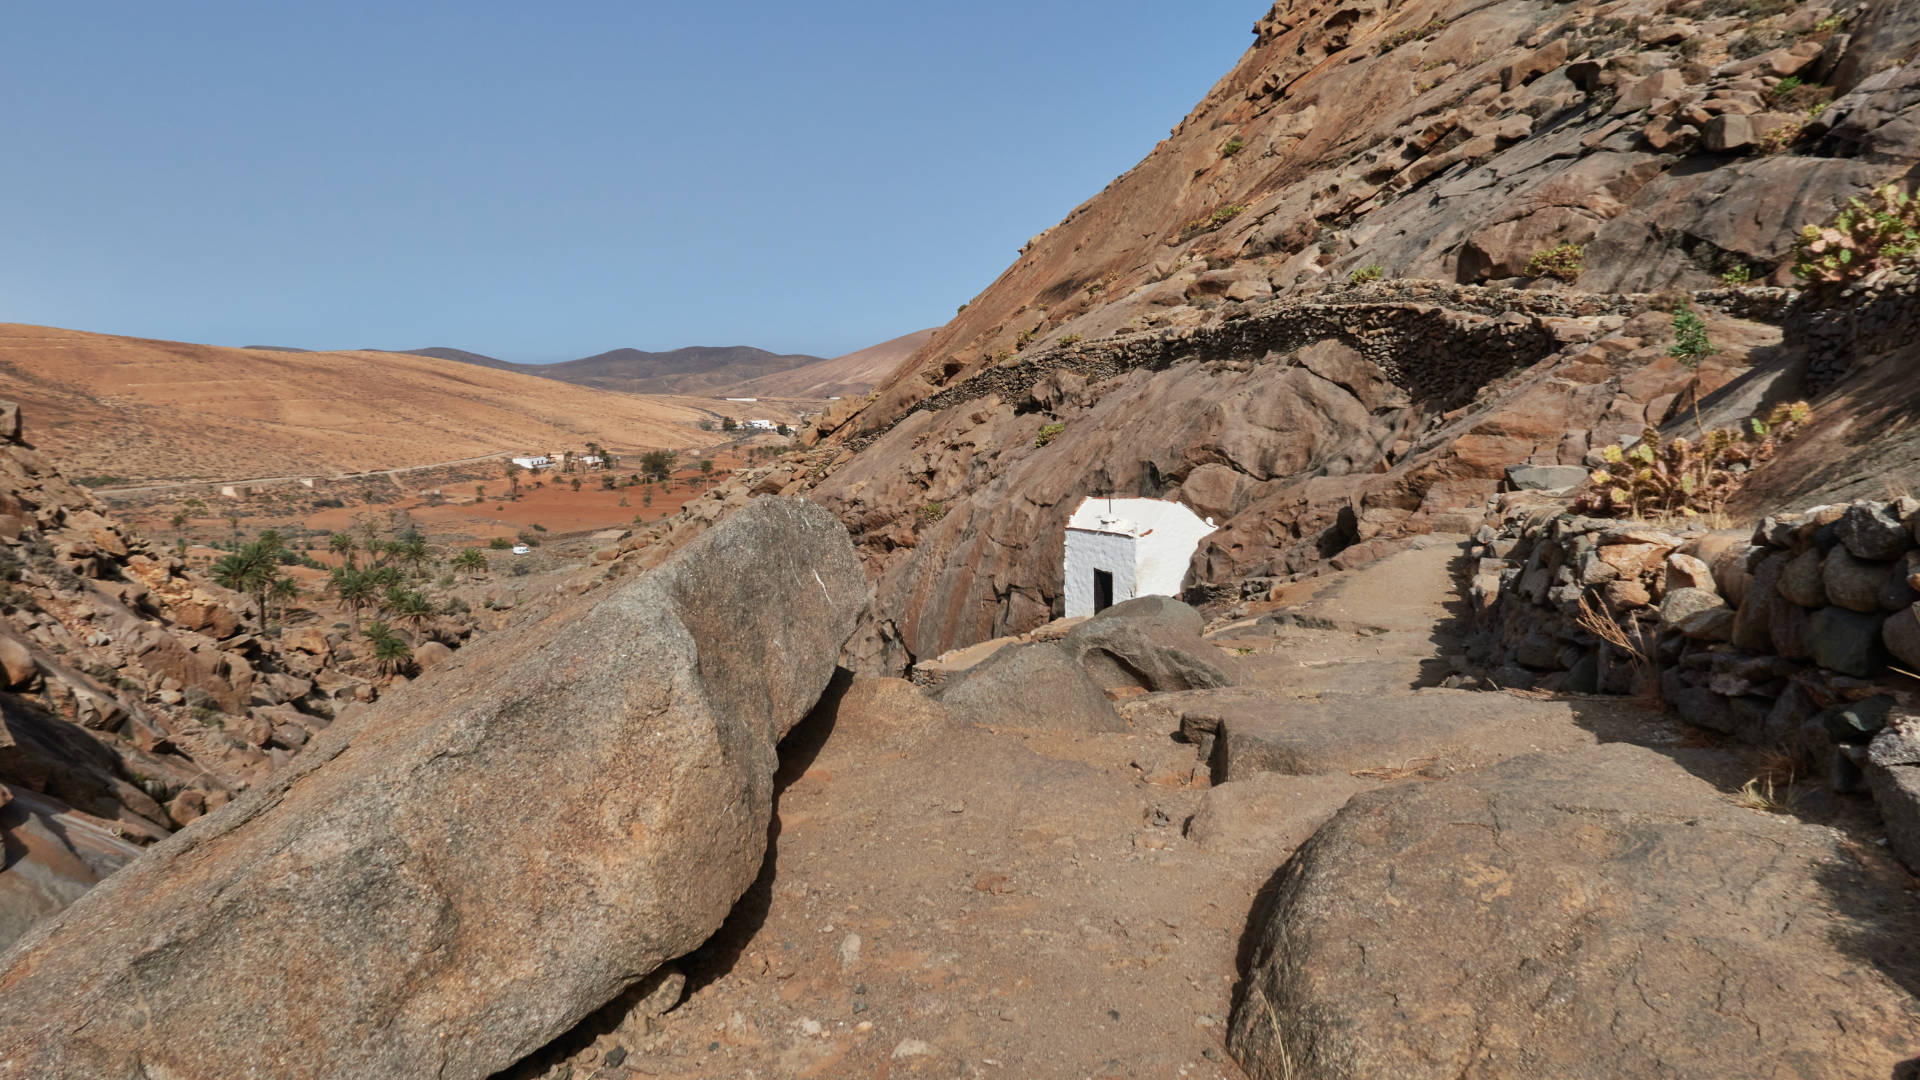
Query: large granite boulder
[
  {"x": 1031, "y": 686},
  {"x": 1152, "y": 643},
  {"x": 1605, "y": 913},
  {"x": 449, "y": 881}
]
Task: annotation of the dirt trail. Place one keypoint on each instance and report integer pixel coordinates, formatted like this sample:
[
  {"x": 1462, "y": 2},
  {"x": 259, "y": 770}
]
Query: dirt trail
[{"x": 951, "y": 900}]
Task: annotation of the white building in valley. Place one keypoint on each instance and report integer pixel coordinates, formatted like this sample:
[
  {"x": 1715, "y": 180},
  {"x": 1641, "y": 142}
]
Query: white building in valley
[
  {"x": 1118, "y": 549},
  {"x": 534, "y": 464}
]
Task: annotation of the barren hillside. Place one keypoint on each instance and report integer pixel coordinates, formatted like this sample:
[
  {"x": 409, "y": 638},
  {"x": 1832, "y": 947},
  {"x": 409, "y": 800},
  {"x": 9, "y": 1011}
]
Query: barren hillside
[
  {"x": 1454, "y": 140},
  {"x": 842, "y": 376},
  {"x": 160, "y": 410}
]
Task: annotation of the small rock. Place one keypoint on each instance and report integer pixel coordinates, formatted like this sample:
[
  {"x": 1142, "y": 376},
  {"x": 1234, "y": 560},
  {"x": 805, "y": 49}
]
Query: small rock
[
  {"x": 1873, "y": 531},
  {"x": 1898, "y": 743},
  {"x": 16, "y": 660},
  {"x": 1683, "y": 604},
  {"x": 1804, "y": 581},
  {"x": 850, "y": 952},
  {"x": 1687, "y": 572},
  {"x": 911, "y": 1048},
  {"x": 1851, "y": 582},
  {"x": 1901, "y": 635},
  {"x": 1846, "y": 641},
  {"x": 1546, "y": 477}
]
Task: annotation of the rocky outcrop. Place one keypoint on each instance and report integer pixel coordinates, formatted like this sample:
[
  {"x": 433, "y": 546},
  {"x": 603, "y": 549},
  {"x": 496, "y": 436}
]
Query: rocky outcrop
[
  {"x": 1604, "y": 913},
  {"x": 137, "y": 695},
  {"x": 443, "y": 884},
  {"x": 1456, "y": 140},
  {"x": 1789, "y": 637}
]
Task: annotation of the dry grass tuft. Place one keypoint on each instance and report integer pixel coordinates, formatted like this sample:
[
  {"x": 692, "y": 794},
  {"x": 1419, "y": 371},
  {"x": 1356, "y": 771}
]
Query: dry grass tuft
[
  {"x": 1395, "y": 772},
  {"x": 1762, "y": 794},
  {"x": 1636, "y": 647}
]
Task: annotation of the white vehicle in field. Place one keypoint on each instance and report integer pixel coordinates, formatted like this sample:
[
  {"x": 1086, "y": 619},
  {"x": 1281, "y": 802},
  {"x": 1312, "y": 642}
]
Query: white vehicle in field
[{"x": 522, "y": 549}]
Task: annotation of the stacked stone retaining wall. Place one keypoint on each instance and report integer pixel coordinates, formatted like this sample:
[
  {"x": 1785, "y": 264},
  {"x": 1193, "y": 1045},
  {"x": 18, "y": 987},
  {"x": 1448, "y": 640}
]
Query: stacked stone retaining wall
[{"x": 1795, "y": 637}]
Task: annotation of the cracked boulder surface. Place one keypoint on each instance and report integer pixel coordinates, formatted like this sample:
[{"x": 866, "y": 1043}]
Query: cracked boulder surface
[
  {"x": 442, "y": 885},
  {"x": 1599, "y": 913}
]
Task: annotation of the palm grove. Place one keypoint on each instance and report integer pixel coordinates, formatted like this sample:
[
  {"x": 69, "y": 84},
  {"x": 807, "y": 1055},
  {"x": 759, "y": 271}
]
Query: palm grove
[{"x": 373, "y": 573}]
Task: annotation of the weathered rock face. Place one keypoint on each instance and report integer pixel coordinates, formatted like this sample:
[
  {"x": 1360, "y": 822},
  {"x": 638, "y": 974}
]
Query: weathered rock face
[
  {"x": 1457, "y": 140},
  {"x": 1151, "y": 643},
  {"x": 1605, "y": 913},
  {"x": 446, "y": 883},
  {"x": 1037, "y": 686}
]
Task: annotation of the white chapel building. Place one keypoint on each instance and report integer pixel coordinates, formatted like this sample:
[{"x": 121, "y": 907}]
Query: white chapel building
[{"x": 1118, "y": 549}]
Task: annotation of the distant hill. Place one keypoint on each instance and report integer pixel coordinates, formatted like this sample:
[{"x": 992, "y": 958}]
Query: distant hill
[
  {"x": 713, "y": 370},
  {"x": 103, "y": 405},
  {"x": 843, "y": 376},
  {"x": 465, "y": 357},
  {"x": 697, "y": 370}
]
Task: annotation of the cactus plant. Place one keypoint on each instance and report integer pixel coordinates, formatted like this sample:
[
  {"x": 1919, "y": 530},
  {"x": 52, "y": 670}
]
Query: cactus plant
[
  {"x": 1663, "y": 477},
  {"x": 1866, "y": 236}
]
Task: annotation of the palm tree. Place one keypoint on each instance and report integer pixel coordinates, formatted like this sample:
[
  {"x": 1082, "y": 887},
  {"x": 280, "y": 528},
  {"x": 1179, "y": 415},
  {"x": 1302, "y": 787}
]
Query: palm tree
[
  {"x": 406, "y": 604},
  {"x": 390, "y": 652},
  {"x": 343, "y": 545},
  {"x": 284, "y": 591},
  {"x": 513, "y": 477},
  {"x": 252, "y": 569},
  {"x": 410, "y": 550},
  {"x": 355, "y": 588},
  {"x": 471, "y": 561},
  {"x": 706, "y": 470},
  {"x": 179, "y": 518}
]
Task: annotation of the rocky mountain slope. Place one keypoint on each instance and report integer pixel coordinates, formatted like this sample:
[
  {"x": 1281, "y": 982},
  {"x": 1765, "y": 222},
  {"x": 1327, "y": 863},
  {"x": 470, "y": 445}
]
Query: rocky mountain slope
[
  {"x": 1455, "y": 140},
  {"x": 135, "y": 409},
  {"x": 1241, "y": 321},
  {"x": 137, "y": 697},
  {"x": 736, "y": 371},
  {"x": 697, "y": 370},
  {"x": 843, "y": 376}
]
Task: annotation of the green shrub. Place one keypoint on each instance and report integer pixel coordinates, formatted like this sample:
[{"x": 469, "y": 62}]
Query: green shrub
[
  {"x": 500, "y": 543},
  {"x": 929, "y": 513},
  {"x": 1216, "y": 219},
  {"x": 1562, "y": 263},
  {"x": 1071, "y": 339},
  {"x": 1787, "y": 86},
  {"x": 1738, "y": 276},
  {"x": 1233, "y": 146},
  {"x": 1864, "y": 237},
  {"x": 1365, "y": 274},
  {"x": 1690, "y": 341},
  {"x": 1677, "y": 477},
  {"x": 1047, "y": 434}
]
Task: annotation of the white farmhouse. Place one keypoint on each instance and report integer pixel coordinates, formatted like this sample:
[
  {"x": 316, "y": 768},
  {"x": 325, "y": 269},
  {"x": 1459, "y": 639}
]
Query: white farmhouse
[
  {"x": 761, "y": 425},
  {"x": 1118, "y": 549},
  {"x": 534, "y": 464}
]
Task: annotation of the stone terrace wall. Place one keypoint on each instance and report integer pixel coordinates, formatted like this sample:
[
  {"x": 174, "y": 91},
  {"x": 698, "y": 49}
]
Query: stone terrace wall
[
  {"x": 1866, "y": 319},
  {"x": 1789, "y": 638},
  {"x": 1441, "y": 343}
]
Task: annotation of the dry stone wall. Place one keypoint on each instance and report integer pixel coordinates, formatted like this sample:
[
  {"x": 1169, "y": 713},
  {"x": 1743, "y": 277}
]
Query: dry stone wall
[
  {"x": 1795, "y": 637},
  {"x": 1440, "y": 343},
  {"x": 1869, "y": 318}
]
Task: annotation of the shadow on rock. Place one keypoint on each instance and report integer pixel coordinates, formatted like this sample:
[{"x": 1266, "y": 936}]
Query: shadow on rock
[{"x": 723, "y": 950}]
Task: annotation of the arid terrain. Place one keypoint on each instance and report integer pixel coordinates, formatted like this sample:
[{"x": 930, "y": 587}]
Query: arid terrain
[
  {"x": 131, "y": 410},
  {"x": 1544, "y": 702}
]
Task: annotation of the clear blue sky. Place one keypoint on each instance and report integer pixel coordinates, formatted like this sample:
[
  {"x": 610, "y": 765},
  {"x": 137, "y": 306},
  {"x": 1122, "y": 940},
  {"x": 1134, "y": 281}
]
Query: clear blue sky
[{"x": 545, "y": 181}]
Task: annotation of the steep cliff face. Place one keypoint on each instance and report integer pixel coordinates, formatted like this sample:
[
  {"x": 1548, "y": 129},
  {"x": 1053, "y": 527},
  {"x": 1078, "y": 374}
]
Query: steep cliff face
[
  {"x": 1194, "y": 329},
  {"x": 1455, "y": 139},
  {"x": 1315, "y": 312}
]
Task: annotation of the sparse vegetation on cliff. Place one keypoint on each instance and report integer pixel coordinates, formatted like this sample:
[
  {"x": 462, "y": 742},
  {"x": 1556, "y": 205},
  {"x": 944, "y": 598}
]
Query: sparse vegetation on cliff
[{"x": 1659, "y": 477}]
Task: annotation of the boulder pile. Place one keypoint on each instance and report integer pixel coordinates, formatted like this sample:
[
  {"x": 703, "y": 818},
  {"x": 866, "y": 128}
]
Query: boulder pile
[
  {"x": 1792, "y": 637},
  {"x": 447, "y": 882}
]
